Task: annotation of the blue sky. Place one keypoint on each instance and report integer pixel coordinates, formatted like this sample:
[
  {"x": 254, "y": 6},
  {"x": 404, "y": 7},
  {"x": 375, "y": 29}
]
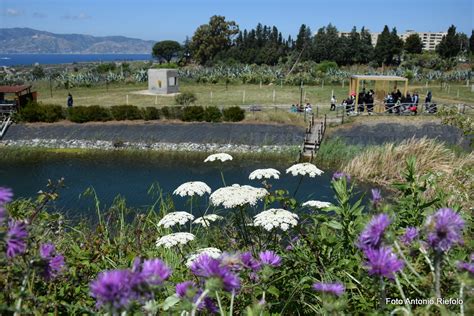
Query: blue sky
[{"x": 174, "y": 19}]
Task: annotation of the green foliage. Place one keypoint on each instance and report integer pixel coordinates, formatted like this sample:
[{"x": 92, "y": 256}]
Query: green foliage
[
  {"x": 150, "y": 113},
  {"x": 38, "y": 72},
  {"x": 125, "y": 112},
  {"x": 185, "y": 98},
  {"x": 36, "y": 112},
  {"x": 172, "y": 112},
  {"x": 193, "y": 113},
  {"x": 233, "y": 114},
  {"x": 325, "y": 66},
  {"x": 450, "y": 45},
  {"x": 165, "y": 66},
  {"x": 388, "y": 48},
  {"x": 105, "y": 67},
  {"x": 82, "y": 114},
  {"x": 413, "y": 44},
  {"x": 166, "y": 50},
  {"x": 212, "y": 114}
]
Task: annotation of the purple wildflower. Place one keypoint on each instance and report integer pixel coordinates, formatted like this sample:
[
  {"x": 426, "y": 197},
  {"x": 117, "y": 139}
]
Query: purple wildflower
[
  {"x": 444, "y": 229},
  {"x": 183, "y": 287},
  {"x": 207, "y": 267},
  {"x": 372, "y": 235},
  {"x": 469, "y": 267},
  {"x": 154, "y": 271},
  {"x": 6, "y": 195},
  {"x": 250, "y": 262},
  {"x": 114, "y": 289},
  {"x": 231, "y": 261},
  {"x": 382, "y": 262},
  {"x": 410, "y": 234},
  {"x": 16, "y": 238},
  {"x": 338, "y": 175},
  {"x": 54, "y": 264},
  {"x": 376, "y": 197},
  {"x": 270, "y": 258},
  {"x": 332, "y": 288}
]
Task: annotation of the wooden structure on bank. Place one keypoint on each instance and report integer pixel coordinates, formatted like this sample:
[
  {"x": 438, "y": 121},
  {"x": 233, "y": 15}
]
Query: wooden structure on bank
[
  {"x": 12, "y": 98},
  {"x": 312, "y": 139},
  {"x": 380, "y": 92}
]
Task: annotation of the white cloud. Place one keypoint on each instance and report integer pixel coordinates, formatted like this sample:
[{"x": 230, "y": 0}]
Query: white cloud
[
  {"x": 12, "y": 12},
  {"x": 80, "y": 16}
]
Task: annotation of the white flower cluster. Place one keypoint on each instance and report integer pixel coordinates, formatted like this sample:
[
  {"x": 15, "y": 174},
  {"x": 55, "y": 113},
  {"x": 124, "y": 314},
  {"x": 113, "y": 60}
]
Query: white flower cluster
[
  {"x": 303, "y": 169},
  {"x": 171, "y": 240},
  {"x": 211, "y": 252},
  {"x": 236, "y": 195},
  {"x": 264, "y": 174},
  {"x": 222, "y": 157},
  {"x": 175, "y": 218},
  {"x": 317, "y": 204},
  {"x": 192, "y": 188},
  {"x": 206, "y": 220},
  {"x": 276, "y": 218}
]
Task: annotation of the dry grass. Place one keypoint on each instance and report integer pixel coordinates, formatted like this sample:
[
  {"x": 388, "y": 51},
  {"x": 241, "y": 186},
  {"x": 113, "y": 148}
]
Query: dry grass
[{"x": 453, "y": 174}]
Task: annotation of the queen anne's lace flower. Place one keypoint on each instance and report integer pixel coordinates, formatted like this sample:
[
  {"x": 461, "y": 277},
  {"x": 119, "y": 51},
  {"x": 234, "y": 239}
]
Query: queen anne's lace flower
[
  {"x": 317, "y": 204},
  {"x": 175, "y": 218},
  {"x": 264, "y": 174},
  {"x": 303, "y": 169},
  {"x": 206, "y": 220},
  {"x": 171, "y": 240},
  {"x": 222, "y": 157},
  {"x": 276, "y": 218},
  {"x": 210, "y": 251},
  {"x": 236, "y": 195},
  {"x": 192, "y": 188}
]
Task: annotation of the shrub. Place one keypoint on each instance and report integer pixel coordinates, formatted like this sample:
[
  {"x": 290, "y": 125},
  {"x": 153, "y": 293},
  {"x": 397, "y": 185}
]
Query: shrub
[
  {"x": 81, "y": 114},
  {"x": 34, "y": 112},
  {"x": 212, "y": 114},
  {"x": 193, "y": 113},
  {"x": 185, "y": 98},
  {"x": 172, "y": 112},
  {"x": 126, "y": 112},
  {"x": 233, "y": 114},
  {"x": 150, "y": 113}
]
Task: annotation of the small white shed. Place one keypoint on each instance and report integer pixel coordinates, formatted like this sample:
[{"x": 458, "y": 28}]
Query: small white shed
[{"x": 163, "y": 81}]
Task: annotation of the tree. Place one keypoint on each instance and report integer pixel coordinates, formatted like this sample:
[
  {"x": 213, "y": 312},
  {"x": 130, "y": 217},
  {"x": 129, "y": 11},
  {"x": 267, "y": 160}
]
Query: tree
[
  {"x": 166, "y": 50},
  {"x": 471, "y": 42},
  {"x": 450, "y": 44},
  {"x": 210, "y": 39},
  {"x": 366, "y": 48},
  {"x": 38, "y": 72},
  {"x": 413, "y": 44},
  {"x": 389, "y": 47},
  {"x": 327, "y": 44},
  {"x": 303, "y": 42}
]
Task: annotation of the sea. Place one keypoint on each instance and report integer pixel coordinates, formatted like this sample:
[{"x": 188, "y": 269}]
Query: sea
[{"x": 51, "y": 59}]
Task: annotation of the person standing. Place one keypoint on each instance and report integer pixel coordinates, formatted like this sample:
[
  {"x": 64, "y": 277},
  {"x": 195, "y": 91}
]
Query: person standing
[
  {"x": 70, "y": 100},
  {"x": 333, "y": 103}
]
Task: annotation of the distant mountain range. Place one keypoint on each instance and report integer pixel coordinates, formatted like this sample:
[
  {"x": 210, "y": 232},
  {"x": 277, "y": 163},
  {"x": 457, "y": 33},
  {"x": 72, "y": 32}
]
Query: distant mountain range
[{"x": 26, "y": 40}]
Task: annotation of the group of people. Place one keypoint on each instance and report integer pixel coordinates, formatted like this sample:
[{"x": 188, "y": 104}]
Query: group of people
[{"x": 295, "y": 108}]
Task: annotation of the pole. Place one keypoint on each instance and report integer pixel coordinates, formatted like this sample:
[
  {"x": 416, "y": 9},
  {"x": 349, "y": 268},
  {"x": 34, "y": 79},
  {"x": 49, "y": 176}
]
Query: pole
[
  {"x": 156, "y": 99},
  {"x": 51, "y": 86},
  {"x": 322, "y": 84},
  {"x": 457, "y": 94},
  {"x": 275, "y": 95},
  {"x": 211, "y": 96},
  {"x": 343, "y": 83},
  {"x": 127, "y": 99},
  {"x": 260, "y": 84},
  {"x": 243, "y": 97}
]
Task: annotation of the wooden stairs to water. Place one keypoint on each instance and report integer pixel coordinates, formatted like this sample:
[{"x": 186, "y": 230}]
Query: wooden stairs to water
[{"x": 313, "y": 138}]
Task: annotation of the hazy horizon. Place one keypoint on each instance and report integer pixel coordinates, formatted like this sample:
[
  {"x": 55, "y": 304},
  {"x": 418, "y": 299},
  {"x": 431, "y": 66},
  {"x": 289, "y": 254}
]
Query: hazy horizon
[{"x": 160, "y": 20}]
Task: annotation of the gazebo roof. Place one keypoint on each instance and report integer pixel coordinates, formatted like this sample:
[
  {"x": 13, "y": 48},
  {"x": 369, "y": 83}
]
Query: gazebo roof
[
  {"x": 14, "y": 89},
  {"x": 379, "y": 77}
]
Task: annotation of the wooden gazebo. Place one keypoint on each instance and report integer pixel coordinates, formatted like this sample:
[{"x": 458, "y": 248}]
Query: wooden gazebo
[
  {"x": 20, "y": 95},
  {"x": 354, "y": 85}
]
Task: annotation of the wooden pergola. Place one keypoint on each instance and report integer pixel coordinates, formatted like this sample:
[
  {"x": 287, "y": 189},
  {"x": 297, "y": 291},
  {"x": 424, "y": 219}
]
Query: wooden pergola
[
  {"x": 354, "y": 83},
  {"x": 22, "y": 95}
]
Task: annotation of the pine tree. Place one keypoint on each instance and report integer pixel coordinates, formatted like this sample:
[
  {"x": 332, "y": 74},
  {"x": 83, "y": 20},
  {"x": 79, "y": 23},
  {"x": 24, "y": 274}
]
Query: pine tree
[
  {"x": 366, "y": 48},
  {"x": 471, "y": 42},
  {"x": 413, "y": 44},
  {"x": 450, "y": 45}
]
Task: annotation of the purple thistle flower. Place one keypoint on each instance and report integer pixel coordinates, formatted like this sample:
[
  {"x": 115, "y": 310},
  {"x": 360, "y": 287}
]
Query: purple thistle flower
[
  {"x": 469, "y": 267},
  {"x": 209, "y": 304},
  {"x": 338, "y": 175},
  {"x": 372, "y": 235},
  {"x": 332, "y": 288},
  {"x": 16, "y": 238},
  {"x": 114, "y": 289},
  {"x": 376, "y": 197},
  {"x": 270, "y": 258},
  {"x": 53, "y": 264},
  {"x": 382, "y": 262},
  {"x": 6, "y": 195},
  {"x": 250, "y": 262},
  {"x": 411, "y": 233},
  {"x": 183, "y": 287},
  {"x": 207, "y": 267},
  {"x": 154, "y": 271},
  {"x": 444, "y": 229}
]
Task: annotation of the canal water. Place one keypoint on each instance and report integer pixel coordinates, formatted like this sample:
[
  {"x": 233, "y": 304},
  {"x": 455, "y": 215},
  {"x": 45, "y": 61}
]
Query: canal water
[{"x": 132, "y": 178}]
